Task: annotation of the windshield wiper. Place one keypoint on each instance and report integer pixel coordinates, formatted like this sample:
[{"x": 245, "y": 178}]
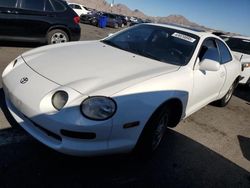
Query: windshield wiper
[
  {"x": 146, "y": 54},
  {"x": 108, "y": 42}
]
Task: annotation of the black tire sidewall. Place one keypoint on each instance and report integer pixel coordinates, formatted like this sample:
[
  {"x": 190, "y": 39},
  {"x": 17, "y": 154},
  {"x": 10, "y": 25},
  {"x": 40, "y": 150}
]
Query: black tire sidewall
[
  {"x": 223, "y": 102},
  {"x": 144, "y": 145}
]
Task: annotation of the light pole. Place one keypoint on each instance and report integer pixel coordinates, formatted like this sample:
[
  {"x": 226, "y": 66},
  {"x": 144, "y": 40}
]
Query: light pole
[{"x": 112, "y": 4}]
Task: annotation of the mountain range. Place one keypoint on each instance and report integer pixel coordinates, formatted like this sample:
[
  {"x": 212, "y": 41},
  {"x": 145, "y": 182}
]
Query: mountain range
[{"x": 103, "y": 5}]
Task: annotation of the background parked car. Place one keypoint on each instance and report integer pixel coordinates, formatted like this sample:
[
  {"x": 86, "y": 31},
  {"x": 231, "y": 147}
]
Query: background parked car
[
  {"x": 113, "y": 20},
  {"x": 136, "y": 21},
  {"x": 123, "y": 19},
  {"x": 240, "y": 46},
  {"x": 79, "y": 9},
  {"x": 91, "y": 18},
  {"x": 50, "y": 21}
]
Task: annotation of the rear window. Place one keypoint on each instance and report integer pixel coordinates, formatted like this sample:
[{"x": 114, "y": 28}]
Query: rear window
[
  {"x": 58, "y": 5},
  {"x": 77, "y": 7},
  {"x": 48, "y": 6},
  {"x": 8, "y": 3}
]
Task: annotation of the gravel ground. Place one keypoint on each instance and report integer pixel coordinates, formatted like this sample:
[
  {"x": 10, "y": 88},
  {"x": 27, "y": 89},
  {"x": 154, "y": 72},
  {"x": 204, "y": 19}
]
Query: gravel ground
[{"x": 211, "y": 148}]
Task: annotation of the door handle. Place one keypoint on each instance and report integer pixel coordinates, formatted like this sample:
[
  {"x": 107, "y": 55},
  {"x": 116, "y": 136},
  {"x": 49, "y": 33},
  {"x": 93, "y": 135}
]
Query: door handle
[{"x": 51, "y": 15}]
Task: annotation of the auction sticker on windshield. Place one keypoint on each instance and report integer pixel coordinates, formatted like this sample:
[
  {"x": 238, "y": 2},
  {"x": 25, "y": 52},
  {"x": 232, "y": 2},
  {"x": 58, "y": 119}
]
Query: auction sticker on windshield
[{"x": 183, "y": 37}]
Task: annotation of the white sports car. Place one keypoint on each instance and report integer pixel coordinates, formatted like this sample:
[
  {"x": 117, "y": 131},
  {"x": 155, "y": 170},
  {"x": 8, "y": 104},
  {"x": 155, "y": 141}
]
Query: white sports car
[
  {"x": 119, "y": 93},
  {"x": 240, "y": 47}
]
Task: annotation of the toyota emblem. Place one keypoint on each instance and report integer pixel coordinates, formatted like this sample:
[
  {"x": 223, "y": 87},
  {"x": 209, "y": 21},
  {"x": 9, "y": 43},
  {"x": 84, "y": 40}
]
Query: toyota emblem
[{"x": 24, "y": 80}]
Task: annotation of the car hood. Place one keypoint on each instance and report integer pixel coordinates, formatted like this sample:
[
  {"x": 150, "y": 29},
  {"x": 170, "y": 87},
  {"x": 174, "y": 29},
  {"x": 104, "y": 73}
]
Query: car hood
[{"x": 93, "y": 68}]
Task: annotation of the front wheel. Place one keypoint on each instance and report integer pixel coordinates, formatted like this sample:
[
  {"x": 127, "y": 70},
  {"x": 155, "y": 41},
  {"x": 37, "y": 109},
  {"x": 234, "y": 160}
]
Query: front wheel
[
  {"x": 57, "y": 36},
  {"x": 153, "y": 133}
]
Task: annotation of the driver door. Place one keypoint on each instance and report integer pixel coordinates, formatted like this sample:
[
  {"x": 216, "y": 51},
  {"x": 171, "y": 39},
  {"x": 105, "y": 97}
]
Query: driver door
[{"x": 207, "y": 84}]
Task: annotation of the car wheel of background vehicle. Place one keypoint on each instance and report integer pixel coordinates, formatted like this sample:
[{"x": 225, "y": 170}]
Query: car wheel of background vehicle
[
  {"x": 225, "y": 100},
  {"x": 94, "y": 22},
  {"x": 116, "y": 26},
  {"x": 57, "y": 36},
  {"x": 153, "y": 133}
]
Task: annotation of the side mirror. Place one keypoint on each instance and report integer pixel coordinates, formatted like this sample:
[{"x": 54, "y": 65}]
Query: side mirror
[{"x": 209, "y": 65}]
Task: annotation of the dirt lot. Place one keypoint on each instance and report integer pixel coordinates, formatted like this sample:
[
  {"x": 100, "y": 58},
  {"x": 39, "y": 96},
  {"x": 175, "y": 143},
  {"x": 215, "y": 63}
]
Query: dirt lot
[{"x": 211, "y": 148}]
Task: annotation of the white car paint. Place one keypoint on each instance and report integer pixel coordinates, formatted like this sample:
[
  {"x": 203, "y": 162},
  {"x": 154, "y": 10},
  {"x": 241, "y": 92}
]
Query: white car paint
[
  {"x": 78, "y": 8},
  {"x": 243, "y": 58},
  {"x": 137, "y": 84}
]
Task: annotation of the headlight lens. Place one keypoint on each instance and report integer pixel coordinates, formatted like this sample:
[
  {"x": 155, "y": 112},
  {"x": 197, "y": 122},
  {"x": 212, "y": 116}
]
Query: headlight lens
[
  {"x": 59, "y": 99},
  {"x": 98, "y": 108}
]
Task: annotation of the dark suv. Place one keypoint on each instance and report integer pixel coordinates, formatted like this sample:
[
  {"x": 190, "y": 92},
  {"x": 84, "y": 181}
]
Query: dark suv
[
  {"x": 49, "y": 21},
  {"x": 113, "y": 20}
]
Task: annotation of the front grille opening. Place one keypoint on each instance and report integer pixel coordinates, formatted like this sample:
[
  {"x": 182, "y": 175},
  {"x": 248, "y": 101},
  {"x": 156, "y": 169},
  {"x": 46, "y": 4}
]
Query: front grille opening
[
  {"x": 78, "y": 135},
  {"x": 49, "y": 133}
]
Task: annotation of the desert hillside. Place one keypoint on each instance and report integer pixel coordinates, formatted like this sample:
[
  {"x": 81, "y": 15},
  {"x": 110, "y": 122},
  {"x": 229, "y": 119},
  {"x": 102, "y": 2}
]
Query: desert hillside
[{"x": 103, "y": 5}]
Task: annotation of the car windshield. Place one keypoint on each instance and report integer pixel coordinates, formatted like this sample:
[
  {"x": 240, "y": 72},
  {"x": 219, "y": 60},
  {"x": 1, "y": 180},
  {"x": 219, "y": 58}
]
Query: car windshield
[
  {"x": 156, "y": 42},
  {"x": 238, "y": 45}
]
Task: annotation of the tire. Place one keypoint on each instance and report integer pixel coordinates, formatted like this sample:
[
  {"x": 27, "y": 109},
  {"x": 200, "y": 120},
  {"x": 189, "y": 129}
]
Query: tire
[
  {"x": 225, "y": 100},
  {"x": 153, "y": 133},
  {"x": 57, "y": 36},
  {"x": 94, "y": 22},
  {"x": 116, "y": 25}
]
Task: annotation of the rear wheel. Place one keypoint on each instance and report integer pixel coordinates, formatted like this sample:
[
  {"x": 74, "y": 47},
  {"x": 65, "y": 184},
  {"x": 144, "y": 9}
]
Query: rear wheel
[
  {"x": 225, "y": 100},
  {"x": 57, "y": 36},
  {"x": 116, "y": 25},
  {"x": 94, "y": 22}
]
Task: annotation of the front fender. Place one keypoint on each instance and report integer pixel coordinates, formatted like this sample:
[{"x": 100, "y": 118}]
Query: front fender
[{"x": 138, "y": 107}]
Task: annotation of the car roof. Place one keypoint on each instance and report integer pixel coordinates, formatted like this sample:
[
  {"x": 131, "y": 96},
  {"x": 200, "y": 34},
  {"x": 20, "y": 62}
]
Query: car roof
[{"x": 198, "y": 32}]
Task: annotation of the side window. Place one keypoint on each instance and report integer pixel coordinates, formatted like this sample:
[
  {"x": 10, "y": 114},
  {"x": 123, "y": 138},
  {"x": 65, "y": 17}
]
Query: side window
[
  {"x": 209, "y": 51},
  {"x": 48, "y": 6},
  {"x": 224, "y": 52},
  {"x": 58, "y": 5},
  {"x": 77, "y": 7},
  {"x": 8, "y": 3},
  {"x": 37, "y": 5}
]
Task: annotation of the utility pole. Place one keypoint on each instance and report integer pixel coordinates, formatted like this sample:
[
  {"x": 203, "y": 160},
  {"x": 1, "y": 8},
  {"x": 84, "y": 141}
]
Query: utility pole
[{"x": 112, "y": 4}]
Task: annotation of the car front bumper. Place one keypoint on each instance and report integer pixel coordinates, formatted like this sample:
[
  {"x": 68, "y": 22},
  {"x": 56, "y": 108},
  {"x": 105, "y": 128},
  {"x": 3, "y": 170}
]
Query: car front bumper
[{"x": 90, "y": 146}]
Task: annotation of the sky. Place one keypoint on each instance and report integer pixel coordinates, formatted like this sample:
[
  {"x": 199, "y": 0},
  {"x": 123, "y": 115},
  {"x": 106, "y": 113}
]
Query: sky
[{"x": 226, "y": 15}]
